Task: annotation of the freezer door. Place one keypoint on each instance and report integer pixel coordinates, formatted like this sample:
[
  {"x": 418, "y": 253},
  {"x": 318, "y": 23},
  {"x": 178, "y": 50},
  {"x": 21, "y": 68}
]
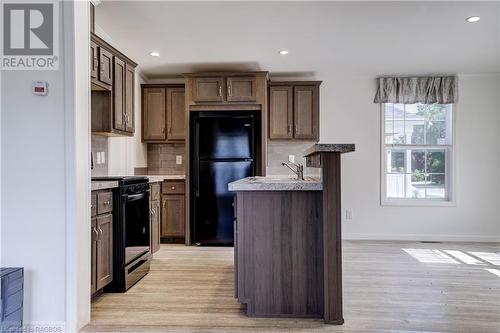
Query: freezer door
[
  {"x": 213, "y": 211},
  {"x": 225, "y": 137}
]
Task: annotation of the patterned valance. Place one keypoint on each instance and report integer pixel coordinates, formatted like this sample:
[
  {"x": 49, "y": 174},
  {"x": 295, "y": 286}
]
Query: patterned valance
[{"x": 421, "y": 89}]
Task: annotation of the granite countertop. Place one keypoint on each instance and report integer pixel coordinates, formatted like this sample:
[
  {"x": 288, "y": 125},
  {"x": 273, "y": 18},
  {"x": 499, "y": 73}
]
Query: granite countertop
[
  {"x": 102, "y": 184},
  {"x": 329, "y": 147},
  {"x": 160, "y": 178},
  {"x": 276, "y": 183}
]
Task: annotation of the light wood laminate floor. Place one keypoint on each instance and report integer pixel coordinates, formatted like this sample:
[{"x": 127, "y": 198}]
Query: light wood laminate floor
[{"x": 388, "y": 287}]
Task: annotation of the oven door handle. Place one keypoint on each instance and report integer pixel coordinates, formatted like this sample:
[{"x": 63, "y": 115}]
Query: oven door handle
[{"x": 134, "y": 197}]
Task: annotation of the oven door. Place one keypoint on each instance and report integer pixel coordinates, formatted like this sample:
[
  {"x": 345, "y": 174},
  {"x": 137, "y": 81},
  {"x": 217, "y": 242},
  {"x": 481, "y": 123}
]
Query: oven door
[{"x": 136, "y": 225}]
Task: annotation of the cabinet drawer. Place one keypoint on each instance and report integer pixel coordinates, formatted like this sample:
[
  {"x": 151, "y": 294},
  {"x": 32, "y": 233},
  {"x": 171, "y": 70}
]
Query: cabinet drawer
[
  {"x": 93, "y": 205},
  {"x": 155, "y": 192},
  {"x": 104, "y": 202},
  {"x": 173, "y": 187}
]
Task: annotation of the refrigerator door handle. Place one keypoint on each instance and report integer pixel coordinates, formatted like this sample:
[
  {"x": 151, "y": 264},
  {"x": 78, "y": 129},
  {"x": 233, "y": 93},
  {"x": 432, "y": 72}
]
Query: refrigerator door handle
[{"x": 197, "y": 160}]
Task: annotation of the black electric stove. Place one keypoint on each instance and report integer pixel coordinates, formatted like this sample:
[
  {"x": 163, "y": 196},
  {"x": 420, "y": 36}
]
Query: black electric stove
[{"x": 131, "y": 241}]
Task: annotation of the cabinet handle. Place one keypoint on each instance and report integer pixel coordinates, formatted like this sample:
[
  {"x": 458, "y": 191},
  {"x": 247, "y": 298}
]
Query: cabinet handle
[
  {"x": 289, "y": 129},
  {"x": 229, "y": 90},
  {"x": 172, "y": 188},
  {"x": 94, "y": 230},
  {"x": 100, "y": 233},
  {"x": 91, "y": 206},
  {"x": 107, "y": 203},
  {"x": 220, "y": 91}
]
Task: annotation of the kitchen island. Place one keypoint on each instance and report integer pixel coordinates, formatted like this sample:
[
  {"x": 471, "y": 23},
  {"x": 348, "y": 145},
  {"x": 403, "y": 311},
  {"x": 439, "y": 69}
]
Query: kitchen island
[{"x": 288, "y": 259}]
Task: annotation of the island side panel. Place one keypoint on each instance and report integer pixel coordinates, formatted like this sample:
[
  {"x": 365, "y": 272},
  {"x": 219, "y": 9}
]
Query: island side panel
[
  {"x": 280, "y": 253},
  {"x": 332, "y": 250}
]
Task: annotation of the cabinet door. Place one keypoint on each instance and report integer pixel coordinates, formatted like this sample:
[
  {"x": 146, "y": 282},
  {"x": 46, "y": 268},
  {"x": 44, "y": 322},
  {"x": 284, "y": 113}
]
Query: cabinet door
[
  {"x": 104, "y": 250},
  {"x": 93, "y": 257},
  {"x": 280, "y": 112},
  {"x": 208, "y": 89},
  {"x": 118, "y": 92},
  {"x": 155, "y": 226},
  {"x": 105, "y": 66},
  {"x": 153, "y": 114},
  {"x": 306, "y": 112},
  {"x": 94, "y": 62},
  {"x": 241, "y": 89},
  {"x": 172, "y": 216},
  {"x": 129, "y": 98},
  {"x": 176, "y": 113}
]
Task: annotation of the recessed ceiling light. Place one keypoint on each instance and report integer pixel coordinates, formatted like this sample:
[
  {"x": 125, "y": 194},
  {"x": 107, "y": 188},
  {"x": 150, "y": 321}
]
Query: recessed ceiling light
[
  {"x": 283, "y": 52},
  {"x": 155, "y": 54},
  {"x": 473, "y": 19}
]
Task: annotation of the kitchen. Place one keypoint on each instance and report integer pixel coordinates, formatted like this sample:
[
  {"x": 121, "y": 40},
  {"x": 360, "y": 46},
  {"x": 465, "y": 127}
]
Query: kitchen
[
  {"x": 254, "y": 166},
  {"x": 203, "y": 135}
]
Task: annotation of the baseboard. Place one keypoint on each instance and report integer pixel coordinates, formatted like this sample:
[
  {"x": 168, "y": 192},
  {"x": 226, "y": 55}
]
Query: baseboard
[{"x": 422, "y": 237}]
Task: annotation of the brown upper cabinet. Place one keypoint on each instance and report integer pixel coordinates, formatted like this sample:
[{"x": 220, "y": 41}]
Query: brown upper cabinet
[
  {"x": 294, "y": 110},
  {"x": 105, "y": 66},
  {"x": 163, "y": 113},
  {"x": 208, "y": 89},
  {"x": 112, "y": 79},
  {"x": 241, "y": 89},
  {"x": 224, "y": 89},
  {"x": 94, "y": 61}
]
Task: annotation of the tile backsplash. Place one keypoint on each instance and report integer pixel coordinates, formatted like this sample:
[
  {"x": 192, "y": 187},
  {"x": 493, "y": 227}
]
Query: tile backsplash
[
  {"x": 162, "y": 159},
  {"x": 99, "y": 151},
  {"x": 278, "y": 152}
]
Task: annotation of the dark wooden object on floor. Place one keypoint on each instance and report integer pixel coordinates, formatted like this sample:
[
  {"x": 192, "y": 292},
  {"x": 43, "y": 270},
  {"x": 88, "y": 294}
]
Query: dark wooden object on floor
[
  {"x": 173, "y": 217},
  {"x": 279, "y": 261},
  {"x": 102, "y": 239},
  {"x": 288, "y": 250}
]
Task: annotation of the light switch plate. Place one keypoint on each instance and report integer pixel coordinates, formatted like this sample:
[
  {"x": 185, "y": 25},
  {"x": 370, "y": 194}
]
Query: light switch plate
[
  {"x": 178, "y": 159},
  {"x": 103, "y": 157},
  {"x": 98, "y": 157},
  {"x": 291, "y": 158}
]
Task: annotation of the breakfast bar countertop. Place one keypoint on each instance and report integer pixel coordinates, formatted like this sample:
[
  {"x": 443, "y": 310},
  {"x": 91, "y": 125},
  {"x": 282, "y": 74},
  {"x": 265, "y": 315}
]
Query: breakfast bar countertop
[{"x": 276, "y": 183}]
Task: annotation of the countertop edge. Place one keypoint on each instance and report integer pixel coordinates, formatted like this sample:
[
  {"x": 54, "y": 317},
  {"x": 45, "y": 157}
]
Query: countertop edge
[{"x": 330, "y": 148}]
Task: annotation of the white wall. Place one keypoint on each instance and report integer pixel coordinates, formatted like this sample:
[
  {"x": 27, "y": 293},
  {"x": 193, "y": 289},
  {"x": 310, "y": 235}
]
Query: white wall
[
  {"x": 41, "y": 194},
  {"x": 348, "y": 115}
]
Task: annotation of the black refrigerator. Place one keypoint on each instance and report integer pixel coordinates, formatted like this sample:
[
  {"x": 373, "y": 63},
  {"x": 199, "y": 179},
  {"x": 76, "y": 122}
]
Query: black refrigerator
[{"x": 222, "y": 151}]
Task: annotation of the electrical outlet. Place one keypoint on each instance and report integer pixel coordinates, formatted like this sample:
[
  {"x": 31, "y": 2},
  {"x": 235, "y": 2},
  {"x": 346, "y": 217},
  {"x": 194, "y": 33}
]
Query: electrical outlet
[
  {"x": 98, "y": 157},
  {"x": 348, "y": 214},
  {"x": 291, "y": 158},
  {"x": 178, "y": 159}
]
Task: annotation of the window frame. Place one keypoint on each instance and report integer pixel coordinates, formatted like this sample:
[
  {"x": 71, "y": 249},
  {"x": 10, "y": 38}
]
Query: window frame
[{"x": 450, "y": 173}]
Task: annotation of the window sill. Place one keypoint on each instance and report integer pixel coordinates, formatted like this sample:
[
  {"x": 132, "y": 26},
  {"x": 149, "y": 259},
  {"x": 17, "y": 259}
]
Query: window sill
[{"x": 417, "y": 203}]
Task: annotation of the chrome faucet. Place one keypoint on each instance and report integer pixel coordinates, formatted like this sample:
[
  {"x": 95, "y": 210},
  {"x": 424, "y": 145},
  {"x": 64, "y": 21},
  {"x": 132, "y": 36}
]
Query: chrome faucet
[{"x": 299, "y": 171}]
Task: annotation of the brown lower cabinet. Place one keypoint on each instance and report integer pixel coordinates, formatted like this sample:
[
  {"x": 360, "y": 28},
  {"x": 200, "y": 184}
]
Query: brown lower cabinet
[
  {"x": 173, "y": 220},
  {"x": 102, "y": 240},
  {"x": 155, "y": 221}
]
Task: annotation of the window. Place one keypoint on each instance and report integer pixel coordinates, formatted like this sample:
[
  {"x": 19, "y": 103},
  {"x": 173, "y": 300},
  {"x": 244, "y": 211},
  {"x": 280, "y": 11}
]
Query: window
[{"x": 417, "y": 152}]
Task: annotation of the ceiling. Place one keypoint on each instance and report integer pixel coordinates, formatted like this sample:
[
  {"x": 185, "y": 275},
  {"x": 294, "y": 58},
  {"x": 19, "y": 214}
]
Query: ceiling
[{"x": 372, "y": 38}]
